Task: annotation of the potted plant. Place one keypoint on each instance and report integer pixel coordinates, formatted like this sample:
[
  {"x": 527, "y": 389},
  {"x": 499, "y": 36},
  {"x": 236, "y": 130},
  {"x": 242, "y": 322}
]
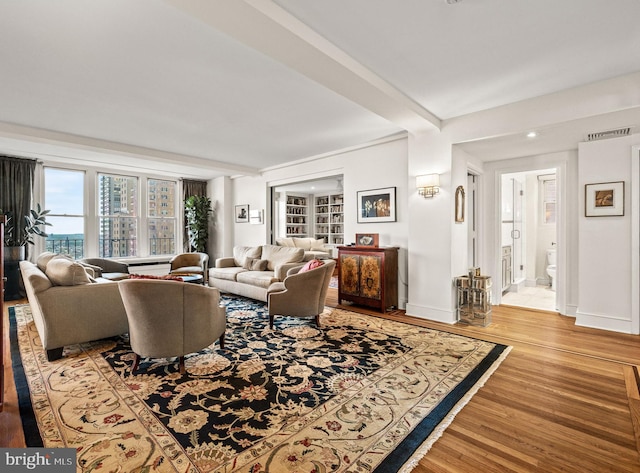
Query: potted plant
[
  {"x": 197, "y": 210},
  {"x": 15, "y": 245}
]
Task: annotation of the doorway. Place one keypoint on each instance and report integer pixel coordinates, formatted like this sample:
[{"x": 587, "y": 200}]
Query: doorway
[
  {"x": 528, "y": 242},
  {"x": 309, "y": 209}
]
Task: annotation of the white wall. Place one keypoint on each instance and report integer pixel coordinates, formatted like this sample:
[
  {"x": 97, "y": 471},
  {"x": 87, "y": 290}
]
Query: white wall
[
  {"x": 431, "y": 228},
  {"x": 372, "y": 167},
  {"x": 605, "y": 251}
]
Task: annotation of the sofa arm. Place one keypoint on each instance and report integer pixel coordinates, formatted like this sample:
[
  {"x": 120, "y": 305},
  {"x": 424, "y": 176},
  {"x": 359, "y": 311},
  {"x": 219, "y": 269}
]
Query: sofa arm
[
  {"x": 226, "y": 262},
  {"x": 281, "y": 271}
]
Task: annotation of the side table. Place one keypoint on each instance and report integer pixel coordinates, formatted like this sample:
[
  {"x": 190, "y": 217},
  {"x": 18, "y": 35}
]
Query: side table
[{"x": 474, "y": 300}]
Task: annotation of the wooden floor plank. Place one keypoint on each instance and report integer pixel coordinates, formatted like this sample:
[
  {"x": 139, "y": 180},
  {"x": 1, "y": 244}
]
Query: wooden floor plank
[{"x": 562, "y": 400}]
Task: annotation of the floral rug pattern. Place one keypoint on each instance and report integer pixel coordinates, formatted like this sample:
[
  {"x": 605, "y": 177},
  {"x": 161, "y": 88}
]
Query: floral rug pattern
[{"x": 298, "y": 398}]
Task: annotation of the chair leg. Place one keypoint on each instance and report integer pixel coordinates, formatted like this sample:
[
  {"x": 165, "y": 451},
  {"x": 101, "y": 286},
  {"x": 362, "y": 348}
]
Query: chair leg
[
  {"x": 270, "y": 321},
  {"x": 222, "y": 341},
  {"x": 181, "y": 364},
  {"x": 54, "y": 354},
  {"x": 318, "y": 320},
  {"x": 136, "y": 360}
]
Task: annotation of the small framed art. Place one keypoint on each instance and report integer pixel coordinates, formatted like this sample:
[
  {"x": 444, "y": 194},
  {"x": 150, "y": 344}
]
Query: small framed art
[
  {"x": 255, "y": 217},
  {"x": 367, "y": 239},
  {"x": 604, "y": 199},
  {"x": 242, "y": 213},
  {"x": 377, "y": 205}
]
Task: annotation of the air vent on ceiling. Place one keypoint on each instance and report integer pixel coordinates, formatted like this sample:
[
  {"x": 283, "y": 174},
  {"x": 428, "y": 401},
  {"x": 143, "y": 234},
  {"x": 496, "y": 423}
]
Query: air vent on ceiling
[{"x": 603, "y": 135}]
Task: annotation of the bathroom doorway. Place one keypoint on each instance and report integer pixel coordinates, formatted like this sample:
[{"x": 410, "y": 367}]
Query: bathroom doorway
[{"x": 529, "y": 239}]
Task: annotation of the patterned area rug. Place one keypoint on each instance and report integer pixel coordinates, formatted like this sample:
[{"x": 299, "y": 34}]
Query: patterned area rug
[{"x": 361, "y": 394}]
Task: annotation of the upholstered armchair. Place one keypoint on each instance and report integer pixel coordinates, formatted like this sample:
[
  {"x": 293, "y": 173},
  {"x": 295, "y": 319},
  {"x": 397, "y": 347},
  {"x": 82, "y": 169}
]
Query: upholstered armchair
[
  {"x": 171, "y": 318},
  {"x": 107, "y": 268},
  {"x": 302, "y": 293},
  {"x": 191, "y": 263}
]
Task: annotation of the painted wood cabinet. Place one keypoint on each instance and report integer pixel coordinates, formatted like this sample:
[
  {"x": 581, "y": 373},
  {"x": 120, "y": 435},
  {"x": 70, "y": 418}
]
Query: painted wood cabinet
[{"x": 368, "y": 276}]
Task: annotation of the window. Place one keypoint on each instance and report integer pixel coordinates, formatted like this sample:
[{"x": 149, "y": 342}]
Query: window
[
  {"x": 548, "y": 183},
  {"x": 117, "y": 216},
  {"x": 64, "y": 197},
  {"x": 161, "y": 216}
]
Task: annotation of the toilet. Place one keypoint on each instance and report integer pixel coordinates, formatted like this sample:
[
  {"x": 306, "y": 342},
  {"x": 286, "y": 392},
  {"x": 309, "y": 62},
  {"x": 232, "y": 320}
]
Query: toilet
[{"x": 551, "y": 268}]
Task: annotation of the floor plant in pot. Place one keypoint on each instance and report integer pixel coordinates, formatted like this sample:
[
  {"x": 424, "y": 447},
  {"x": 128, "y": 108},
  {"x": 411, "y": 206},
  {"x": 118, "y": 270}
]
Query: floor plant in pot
[
  {"x": 16, "y": 243},
  {"x": 197, "y": 210}
]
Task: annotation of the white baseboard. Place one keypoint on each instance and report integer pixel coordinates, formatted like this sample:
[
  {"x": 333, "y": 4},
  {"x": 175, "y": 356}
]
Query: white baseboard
[
  {"x": 429, "y": 313},
  {"x": 603, "y": 322}
]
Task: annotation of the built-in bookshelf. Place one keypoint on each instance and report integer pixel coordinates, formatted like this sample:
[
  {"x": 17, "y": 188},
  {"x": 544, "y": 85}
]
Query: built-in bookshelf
[
  {"x": 329, "y": 218},
  {"x": 297, "y": 216}
]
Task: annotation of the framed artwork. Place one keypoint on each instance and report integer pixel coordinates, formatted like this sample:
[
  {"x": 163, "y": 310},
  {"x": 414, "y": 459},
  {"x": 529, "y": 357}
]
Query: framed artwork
[
  {"x": 377, "y": 205},
  {"x": 459, "y": 204},
  {"x": 605, "y": 199},
  {"x": 242, "y": 213},
  {"x": 367, "y": 239},
  {"x": 255, "y": 217}
]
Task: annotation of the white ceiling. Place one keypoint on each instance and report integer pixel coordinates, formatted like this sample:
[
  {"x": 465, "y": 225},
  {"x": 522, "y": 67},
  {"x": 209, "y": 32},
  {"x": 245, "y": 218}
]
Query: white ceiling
[{"x": 219, "y": 87}]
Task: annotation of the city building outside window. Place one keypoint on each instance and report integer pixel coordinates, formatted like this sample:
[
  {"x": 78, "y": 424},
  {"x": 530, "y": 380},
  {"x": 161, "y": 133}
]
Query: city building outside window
[
  {"x": 117, "y": 216},
  {"x": 161, "y": 216}
]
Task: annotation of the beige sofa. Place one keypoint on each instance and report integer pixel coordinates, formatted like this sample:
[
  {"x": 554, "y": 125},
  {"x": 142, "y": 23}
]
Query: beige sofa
[
  {"x": 313, "y": 249},
  {"x": 68, "y": 305},
  {"x": 252, "y": 269}
]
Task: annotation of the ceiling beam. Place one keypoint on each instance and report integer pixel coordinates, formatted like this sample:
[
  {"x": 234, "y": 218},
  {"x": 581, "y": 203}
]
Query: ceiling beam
[{"x": 266, "y": 27}]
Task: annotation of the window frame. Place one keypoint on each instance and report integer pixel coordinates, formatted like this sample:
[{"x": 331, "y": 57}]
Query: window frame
[
  {"x": 544, "y": 200},
  {"x": 91, "y": 203}
]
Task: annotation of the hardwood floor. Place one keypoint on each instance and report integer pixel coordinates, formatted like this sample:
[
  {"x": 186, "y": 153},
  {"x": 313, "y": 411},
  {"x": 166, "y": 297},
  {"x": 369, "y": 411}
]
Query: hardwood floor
[{"x": 564, "y": 400}]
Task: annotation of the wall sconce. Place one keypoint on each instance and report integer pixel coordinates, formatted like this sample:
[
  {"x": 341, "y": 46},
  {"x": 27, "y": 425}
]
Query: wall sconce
[{"x": 428, "y": 185}]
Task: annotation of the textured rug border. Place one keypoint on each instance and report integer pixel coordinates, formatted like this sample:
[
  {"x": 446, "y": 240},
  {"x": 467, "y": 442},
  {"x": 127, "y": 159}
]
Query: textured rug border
[
  {"x": 30, "y": 428},
  {"x": 500, "y": 354}
]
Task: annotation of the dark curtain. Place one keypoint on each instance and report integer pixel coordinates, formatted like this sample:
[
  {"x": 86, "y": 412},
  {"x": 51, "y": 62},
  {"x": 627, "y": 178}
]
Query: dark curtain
[
  {"x": 189, "y": 188},
  {"x": 16, "y": 190}
]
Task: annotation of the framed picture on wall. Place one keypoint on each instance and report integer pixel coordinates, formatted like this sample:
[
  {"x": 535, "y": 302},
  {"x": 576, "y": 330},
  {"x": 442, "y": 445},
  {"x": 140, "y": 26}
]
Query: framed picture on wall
[
  {"x": 242, "y": 213},
  {"x": 377, "y": 205},
  {"x": 605, "y": 199}
]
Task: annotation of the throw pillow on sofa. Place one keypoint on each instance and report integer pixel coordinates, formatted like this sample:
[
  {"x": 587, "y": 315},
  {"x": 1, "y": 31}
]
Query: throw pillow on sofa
[
  {"x": 254, "y": 264},
  {"x": 66, "y": 272},
  {"x": 312, "y": 264}
]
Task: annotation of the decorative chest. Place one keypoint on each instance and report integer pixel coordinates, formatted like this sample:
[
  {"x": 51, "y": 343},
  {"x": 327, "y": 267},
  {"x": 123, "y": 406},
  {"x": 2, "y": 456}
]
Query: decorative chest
[{"x": 368, "y": 276}]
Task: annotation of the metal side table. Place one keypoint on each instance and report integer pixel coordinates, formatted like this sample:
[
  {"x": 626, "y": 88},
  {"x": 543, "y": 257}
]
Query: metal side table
[{"x": 473, "y": 300}]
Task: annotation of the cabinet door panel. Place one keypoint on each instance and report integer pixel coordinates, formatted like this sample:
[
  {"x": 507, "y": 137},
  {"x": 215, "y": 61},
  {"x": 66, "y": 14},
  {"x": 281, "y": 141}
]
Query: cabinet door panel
[
  {"x": 370, "y": 277},
  {"x": 349, "y": 274}
]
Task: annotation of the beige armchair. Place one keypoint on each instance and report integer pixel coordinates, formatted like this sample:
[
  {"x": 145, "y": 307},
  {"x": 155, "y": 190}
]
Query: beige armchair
[
  {"x": 301, "y": 294},
  {"x": 191, "y": 263},
  {"x": 169, "y": 318},
  {"x": 107, "y": 268}
]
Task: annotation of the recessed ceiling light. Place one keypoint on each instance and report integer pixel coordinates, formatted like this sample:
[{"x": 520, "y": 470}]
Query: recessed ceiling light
[{"x": 532, "y": 134}]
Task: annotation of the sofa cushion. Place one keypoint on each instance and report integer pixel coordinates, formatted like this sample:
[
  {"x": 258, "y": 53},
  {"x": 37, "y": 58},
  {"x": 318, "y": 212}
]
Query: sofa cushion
[
  {"x": 288, "y": 242},
  {"x": 304, "y": 243},
  {"x": 65, "y": 272},
  {"x": 278, "y": 255},
  {"x": 240, "y": 253},
  {"x": 226, "y": 273},
  {"x": 257, "y": 278}
]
